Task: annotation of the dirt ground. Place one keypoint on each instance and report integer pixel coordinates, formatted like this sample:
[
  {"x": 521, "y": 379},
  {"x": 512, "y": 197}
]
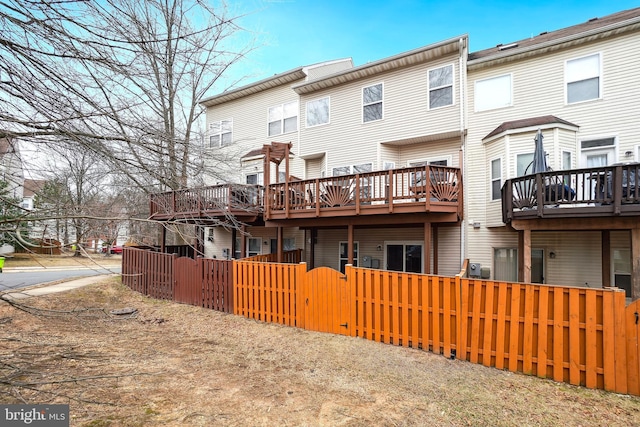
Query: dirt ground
[{"x": 178, "y": 365}]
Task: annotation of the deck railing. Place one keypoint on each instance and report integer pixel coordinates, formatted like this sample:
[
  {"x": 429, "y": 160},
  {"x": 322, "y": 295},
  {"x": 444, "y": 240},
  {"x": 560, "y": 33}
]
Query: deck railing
[
  {"x": 612, "y": 190},
  {"x": 218, "y": 199},
  {"x": 424, "y": 184}
]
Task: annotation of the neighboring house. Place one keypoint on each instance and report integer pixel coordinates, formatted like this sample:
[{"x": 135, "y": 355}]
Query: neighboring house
[
  {"x": 420, "y": 161},
  {"x": 12, "y": 174},
  {"x": 31, "y": 189},
  {"x": 11, "y": 170},
  {"x": 580, "y": 87}
]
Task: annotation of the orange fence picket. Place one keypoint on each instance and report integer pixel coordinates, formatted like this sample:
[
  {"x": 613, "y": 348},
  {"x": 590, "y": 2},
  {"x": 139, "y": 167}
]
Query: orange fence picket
[{"x": 412, "y": 310}]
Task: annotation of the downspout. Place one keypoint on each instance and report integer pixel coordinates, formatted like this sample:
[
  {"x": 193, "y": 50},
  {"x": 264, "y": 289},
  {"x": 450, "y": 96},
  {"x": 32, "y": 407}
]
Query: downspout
[{"x": 462, "y": 66}]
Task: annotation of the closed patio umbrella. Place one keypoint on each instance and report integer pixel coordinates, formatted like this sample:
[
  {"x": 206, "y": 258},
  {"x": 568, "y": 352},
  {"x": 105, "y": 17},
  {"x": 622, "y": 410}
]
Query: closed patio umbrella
[{"x": 539, "y": 159}]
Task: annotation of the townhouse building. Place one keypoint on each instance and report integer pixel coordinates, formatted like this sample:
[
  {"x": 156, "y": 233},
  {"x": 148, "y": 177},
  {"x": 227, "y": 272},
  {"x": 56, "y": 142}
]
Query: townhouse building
[
  {"x": 360, "y": 140},
  {"x": 423, "y": 160},
  {"x": 578, "y": 87}
]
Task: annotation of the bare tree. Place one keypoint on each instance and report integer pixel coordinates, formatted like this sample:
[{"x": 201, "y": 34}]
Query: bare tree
[{"x": 121, "y": 78}]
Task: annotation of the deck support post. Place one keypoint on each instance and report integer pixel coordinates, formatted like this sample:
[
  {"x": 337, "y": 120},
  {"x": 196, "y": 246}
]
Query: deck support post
[
  {"x": 635, "y": 263},
  {"x": 426, "y": 268},
  {"x": 606, "y": 258},
  {"x": 163, "y": 233},
  {"x": 350, "y": 244},
  {"x": 524, "y": 255},
  {"x": 279, "y": 244}
]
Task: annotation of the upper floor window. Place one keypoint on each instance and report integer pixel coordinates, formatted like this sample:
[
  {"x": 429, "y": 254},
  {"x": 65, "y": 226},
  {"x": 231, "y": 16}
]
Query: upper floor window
[
  {"x": 582, "y": 76},
  {"x": 255, "y": 178},
  {"x": 441, "y": 87},
  {"x": 493, "y": 93},
  {"x": 318, "y": 112},
  {"x": 283, "y": 118},
  {"x": 496, "y": 179},
  {"x": 220, "y": 133},
  {"x": 372, "y": 103},
  {"x": 353, "y": 169}
]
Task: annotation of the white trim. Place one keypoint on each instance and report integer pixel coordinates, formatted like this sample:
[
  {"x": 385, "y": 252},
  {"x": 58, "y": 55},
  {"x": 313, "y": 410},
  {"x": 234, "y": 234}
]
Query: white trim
[
  {"x": 362, "y": 104},
  {"x": 306, "y": 110},
  {"x": 600, "y": 78},
  {"x": 452, "y": 85},
  {"x": 491, "y": 178},
  {"x": 475, "y": 93},
  {"x": 430, "y": 160}
]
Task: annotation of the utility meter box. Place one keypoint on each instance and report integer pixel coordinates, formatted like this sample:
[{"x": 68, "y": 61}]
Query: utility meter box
[
  {"x": 366, "y": 261},
  {"x": 474, "y": 269}
]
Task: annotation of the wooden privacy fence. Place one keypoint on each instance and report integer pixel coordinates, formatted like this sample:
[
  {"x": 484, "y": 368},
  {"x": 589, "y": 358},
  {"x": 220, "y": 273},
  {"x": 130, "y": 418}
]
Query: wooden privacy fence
[
  {"x": 203, "y": 282},
  {"x": 580, "y": 336}
]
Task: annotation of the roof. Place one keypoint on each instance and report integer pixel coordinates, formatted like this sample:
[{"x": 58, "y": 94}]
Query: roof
[
  {"x": 7, "y": 146},
  {"x": 412, "y": 57},
  {"x": 542, "y": 121},
  {"x": 33, "y": 186},
  {"x": 264, "y": 84},
  {"x": 617, "y": 23}
]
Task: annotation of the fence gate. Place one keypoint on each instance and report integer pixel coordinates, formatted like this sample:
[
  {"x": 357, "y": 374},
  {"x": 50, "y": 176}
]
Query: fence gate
[
  {"x": 326, "y": 301},
  {"x": 188, "y": 287},
  {"x": 633, "y": 347}
]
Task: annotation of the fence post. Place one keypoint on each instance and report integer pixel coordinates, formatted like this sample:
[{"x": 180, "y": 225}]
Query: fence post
[{"x": 300, "y": 297}]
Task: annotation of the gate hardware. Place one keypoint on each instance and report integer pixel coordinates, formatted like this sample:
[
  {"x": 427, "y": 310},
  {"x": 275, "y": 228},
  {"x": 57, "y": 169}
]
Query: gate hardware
[
  {"x": 346, "y": 324},
  {"x": 636, "y": 313}
]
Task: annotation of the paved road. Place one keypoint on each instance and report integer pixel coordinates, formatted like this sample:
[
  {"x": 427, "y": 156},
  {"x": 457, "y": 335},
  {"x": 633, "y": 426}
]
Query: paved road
[{"x": 23, "y": 277}]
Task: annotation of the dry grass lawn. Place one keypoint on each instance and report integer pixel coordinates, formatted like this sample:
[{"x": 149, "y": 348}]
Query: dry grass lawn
[
  {"x": 178, "y": 365},
  {"x": 66, "y": 260}
]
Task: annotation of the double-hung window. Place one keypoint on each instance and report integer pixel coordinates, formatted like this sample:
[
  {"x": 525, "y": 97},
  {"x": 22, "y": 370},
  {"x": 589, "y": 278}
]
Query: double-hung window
[
  {"x": 492, "y": 93},
  {"x": 441, "y": 87},
  {"x": 318, "y": 112},
  {"x": 496, "y": 179},
  {"x": 283, "y": 118},
  {"x": 372, "y": 103},
  {"x": 220, "y": 133},
  {"x": 582, "y": 76}
]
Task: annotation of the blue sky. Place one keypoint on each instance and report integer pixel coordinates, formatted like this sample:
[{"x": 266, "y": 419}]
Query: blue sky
[{"x": 293, "y": 33}]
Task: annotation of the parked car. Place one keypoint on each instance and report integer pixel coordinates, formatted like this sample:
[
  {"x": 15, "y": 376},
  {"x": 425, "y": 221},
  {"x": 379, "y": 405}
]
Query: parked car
[{"x": 116, "y": 249}]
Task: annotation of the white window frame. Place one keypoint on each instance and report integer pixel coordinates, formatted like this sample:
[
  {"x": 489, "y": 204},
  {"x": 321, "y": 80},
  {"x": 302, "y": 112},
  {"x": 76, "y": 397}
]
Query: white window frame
[
  {"x": 527, "y": 170},
  {"x": 259, "y": 178},
  {"x": 429, "y": 161},
  {"x": 367, "y": 104},
  {"x": 281, "y": 110},
  {"x": 582, "y": 77},
  {"x": 317, "y": 100},
  {"x": 351, "y": 169},
  {"x": 433, "y": 88},
  {"x": 217, "y": 129},
  {"x": 481, "y": 94},
  {"x": 492, "y": 179},
  {"x": 599, "y": 149}
]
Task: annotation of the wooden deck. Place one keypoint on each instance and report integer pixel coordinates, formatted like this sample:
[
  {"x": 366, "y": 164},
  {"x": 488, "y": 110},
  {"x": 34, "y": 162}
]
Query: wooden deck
[
  {"x": 611, "y": 191},
  {"x": 390, "y": 192},
  {"x": 243, "y": 202}
]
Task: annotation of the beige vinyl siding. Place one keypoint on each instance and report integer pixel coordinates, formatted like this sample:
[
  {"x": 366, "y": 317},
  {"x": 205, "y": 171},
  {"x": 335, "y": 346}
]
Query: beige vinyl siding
[
  {"x": 406, "y": 115},
  {"x": 486, "y": 211},
  {"x": 572, "y": 249},
  {"x": 222, "y": 239},
  {"x": 250, "y": 127}
]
